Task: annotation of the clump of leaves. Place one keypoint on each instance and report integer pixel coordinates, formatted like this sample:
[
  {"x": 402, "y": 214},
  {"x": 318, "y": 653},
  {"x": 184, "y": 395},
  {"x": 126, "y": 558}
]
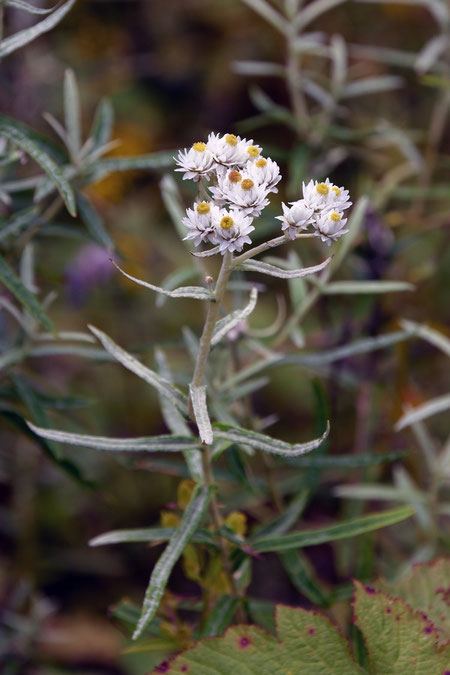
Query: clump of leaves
[{"x": 402, "y": 635}]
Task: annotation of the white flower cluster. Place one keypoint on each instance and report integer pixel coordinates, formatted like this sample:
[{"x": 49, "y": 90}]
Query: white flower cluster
[
  {"x": 241, "y": 180},
  {"x": 322, "y": 206}
]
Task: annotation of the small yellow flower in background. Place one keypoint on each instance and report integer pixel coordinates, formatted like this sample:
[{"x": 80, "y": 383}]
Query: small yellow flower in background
[
  {"x": 184, "y": 492},
  {"x": 191, "y": 563},
  {"x": 237, "y": 521},
  {"x": 169, "y": 519}
]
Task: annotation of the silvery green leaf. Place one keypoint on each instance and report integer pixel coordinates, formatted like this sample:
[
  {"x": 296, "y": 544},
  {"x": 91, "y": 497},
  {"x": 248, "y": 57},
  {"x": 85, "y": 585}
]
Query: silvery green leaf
[
  {"x": 318, "y": 93},
  {"x": 102, "y": 125},
  {"x": 273, "y": 271},
  {"x": 206, "y": 254},
  {"x": 266, "y": 443},
  {"x": 313, "y": 11},
  {"x": 431, "y": 52},
  {"x": 164, "y": 443},
  {"x": 422, "y": 412},
  {"x": 376, "y": 491},
  {"x": 175, "y": 421},
  {"x": 394, "y": 57},
  {"x": 180, "y": 538},
  {"x": 198, "y": 400},
  {"x": 363, "y": 287},
  {"x": 282, "y": 523},
  {"x": 252, "y": 370},
  {"x": 311, "y": 42},
  {"x": 196, "y": 292},
  {"x": 223, "y": 326},
  {"x": 93, "y": 222},
  {"x": 69, "y": 350},
  {"x": 29, "y": 8},
  {"x": 363, "y": 346},
  {"x": 155, "y": 161},
  {"x": 173, "y": 280},
  {"x": 338, "y": 52},
  {"x": 56, "y": 126},
  {"x": 272, "y": 16},
  {"x": 19, "y": 134},
  {"x": 131, "y": 363},
  {"x": 431, "y": 335},
  {"x": 9, "y": 278},
  {"x": 23, "y": 37},
  {"x": 144, "y": 535},
  {"x": 258, "y": 69},
  {"x": 66, "y": 335},
  {"x": 72, "y": 113},
  {"x": 173, "y": 202},
  {"x": 371, "y": 85},
  {"x": 387, "y": 135},
  {"x": 18, "y": 222},
  {"x": 191, "y": 343}
]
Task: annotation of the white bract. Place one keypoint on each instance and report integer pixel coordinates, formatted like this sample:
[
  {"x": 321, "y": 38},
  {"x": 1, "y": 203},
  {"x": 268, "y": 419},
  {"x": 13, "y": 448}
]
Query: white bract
[
  {"x": 200, "y": 221},
  {"x": 296, "y": 217},
  {"x": 330, "y": 225},
  {"x": 239, "y": 190},
  {"x": 236, "y": 181},
  {"x": 197, "y": 162},
  {"x": 231, "y": 230}
]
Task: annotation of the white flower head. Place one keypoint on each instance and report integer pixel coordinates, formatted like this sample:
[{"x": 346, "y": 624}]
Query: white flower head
[
  {"x": 200, "y": 222},
  {"x": 264, "y": 171},
  {"x": 230, "y": 150},
  {"x": 231, "y": 230},
  {"x": 239, "y": 190},
  {"x": 295, "y": 218},
  {"x": 330, "y": 225},
  {"x": 326, "y": 196},
  {"x": 197, "y": 162}
]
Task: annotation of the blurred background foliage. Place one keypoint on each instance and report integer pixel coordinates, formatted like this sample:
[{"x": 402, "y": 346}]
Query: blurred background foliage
[{"x": 170, "y": 72}]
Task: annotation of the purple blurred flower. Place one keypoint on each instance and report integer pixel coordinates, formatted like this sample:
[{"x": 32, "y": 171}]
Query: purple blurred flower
[{"x": 89, "y": 268}]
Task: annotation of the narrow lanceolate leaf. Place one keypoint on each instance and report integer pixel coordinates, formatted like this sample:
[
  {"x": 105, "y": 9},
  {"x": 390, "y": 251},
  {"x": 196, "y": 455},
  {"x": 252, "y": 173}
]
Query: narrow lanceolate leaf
[
  {"x": 302, "y": 577},
  {"x": 344, "y": 530},
  {"x": 23, "y": 295},
  {"x": 431, "y": 335},
  {"x": 198, "y": 399},
  {"x": 161, "y": 572},
  {"x": 266, "y": 443},
  {"x": 155, "y": 161},
  {"x": 196, "y": 292},
  {"x": 220, "y": 617},
  {"x": 145, "y": 535},
  {"x": 72, "y": 113},
  {"x": 93, "y": 222},
  {"x": 131, "y": 363},
  {"x": 29, "y": 8},
  {"x": 23, "y": 37},
  {"x": 371, "y": 85},
  {"x": 175, "y": 421},
  {"x": 164, "y": 443},
  {"x": 223, "y": 326},
  {"x": 274, "y": 271},
  {"x": 18, "y": 134},
  {"x": 421, "y": 412},
  {"x": 102, "y": 125},
  {"x": 365, "y": 287}
]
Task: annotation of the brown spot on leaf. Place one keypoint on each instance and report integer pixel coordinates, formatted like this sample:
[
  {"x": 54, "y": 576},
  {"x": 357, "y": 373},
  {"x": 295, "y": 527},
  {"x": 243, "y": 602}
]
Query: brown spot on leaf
[
  {"x": 244, "y": 642},
  {"x": 311, "y": 630},
  {"x": 163, "y": 667}
]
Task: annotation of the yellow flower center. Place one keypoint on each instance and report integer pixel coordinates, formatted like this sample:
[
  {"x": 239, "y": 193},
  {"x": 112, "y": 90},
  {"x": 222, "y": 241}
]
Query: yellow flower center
[
  {"x": 253, "y": 151},
  {"x": 261, "y": 162},
  {"x": 234, "y": 176},
  {"x": 227, "y": 222},
  {"x": 203, "y": 207},
  {"x": 336, "y": 190},
  {"x": 231, "y": 139},
  {"x": 322, "y": 188},
  {"x": 335, "y": 216},
  {"x": 247, "y": 184},
  {"x": 200, "y": 147}
]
